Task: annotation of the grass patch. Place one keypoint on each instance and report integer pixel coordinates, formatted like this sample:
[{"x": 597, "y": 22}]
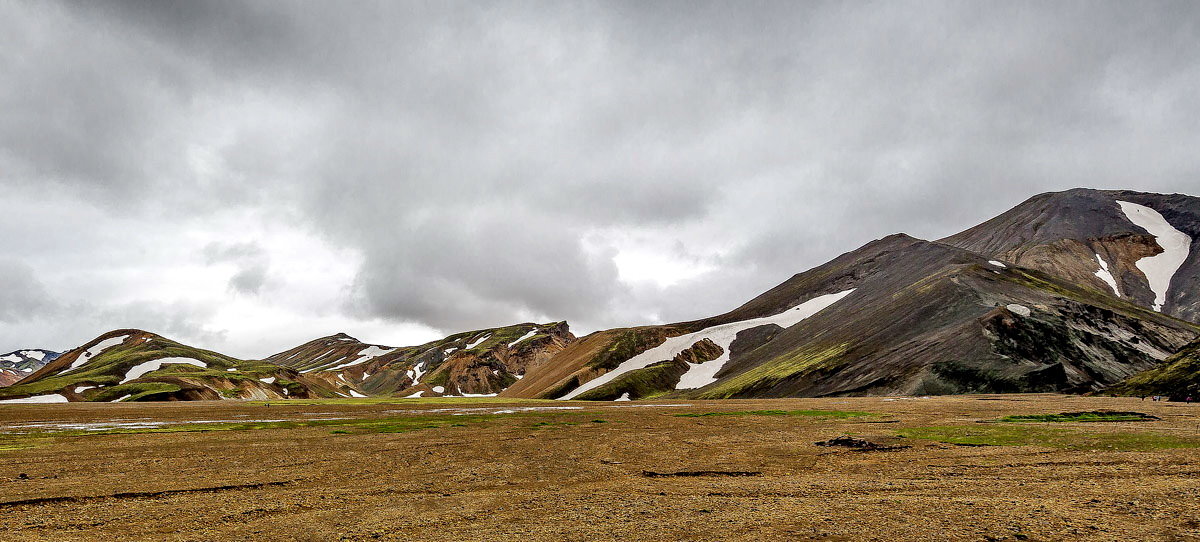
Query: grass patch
[
  {"x": 812, "y": 413},
  {"x": 1091, "y": 416},
  {"x": 1015, "y": 435}
]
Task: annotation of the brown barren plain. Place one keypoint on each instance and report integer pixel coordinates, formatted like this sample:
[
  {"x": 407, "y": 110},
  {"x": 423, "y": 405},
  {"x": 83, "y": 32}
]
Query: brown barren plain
[{"x": 445, "y": 470}]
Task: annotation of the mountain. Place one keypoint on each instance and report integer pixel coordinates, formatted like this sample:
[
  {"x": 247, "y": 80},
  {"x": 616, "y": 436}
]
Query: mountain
[
  {"x": 18, "y": 364},
  {"x": 1076, "y": 291},
  {"x": 1137, "y": 246},
  {"x": 135, "y": 365},
  {"x": 480, "y": 362},
  {"x": 1177, "y": 378},
  {"x": 1014, "y": 304}
]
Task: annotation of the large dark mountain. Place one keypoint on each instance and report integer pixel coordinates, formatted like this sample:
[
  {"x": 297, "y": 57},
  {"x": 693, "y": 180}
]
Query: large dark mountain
[{"x": 1019, "y": 303}]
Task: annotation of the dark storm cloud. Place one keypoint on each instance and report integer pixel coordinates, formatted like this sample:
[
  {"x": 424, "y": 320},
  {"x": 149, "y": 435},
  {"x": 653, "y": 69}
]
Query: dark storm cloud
[{"x": 464, "y": 150}]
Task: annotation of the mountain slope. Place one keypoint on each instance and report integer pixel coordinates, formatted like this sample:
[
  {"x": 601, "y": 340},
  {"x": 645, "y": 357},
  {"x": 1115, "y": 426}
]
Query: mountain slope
[
  {"x": 1176, "y": 378},
  {"x": 480, "y": 362},
  {"x": 906, "y": 316},
  {"x": 1103, "y": 239},
  {"x": 135, "y": 365},
  {"x": 18, "y": 364}
]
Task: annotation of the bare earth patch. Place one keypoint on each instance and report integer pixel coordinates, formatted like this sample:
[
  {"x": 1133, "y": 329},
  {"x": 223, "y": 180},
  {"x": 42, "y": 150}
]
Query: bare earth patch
[{"x": 397, "y": 471}]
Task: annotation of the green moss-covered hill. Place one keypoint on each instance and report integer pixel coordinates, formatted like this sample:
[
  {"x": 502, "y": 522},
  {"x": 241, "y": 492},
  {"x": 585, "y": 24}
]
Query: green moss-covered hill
[{"x": 135, "y": 365}]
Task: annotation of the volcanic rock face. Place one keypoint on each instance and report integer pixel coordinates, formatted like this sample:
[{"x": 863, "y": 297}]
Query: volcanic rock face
[
  {"x": 1053, "y": 295},
  {"x": 19, "y": 364}
]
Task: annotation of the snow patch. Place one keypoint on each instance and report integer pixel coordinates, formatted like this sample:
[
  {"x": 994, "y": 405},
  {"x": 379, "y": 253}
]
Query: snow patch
[
  {"x": 1019, "y": 309},
  {"x": 477, "y": 341},
  {"x": 97, "y": 350},
  {"x": 531, "y": 333},
  {"x": 1160, "y": 268},
  {"x": 81, "y": 389},
  {"x": 150, "y": 366},
  {"x": 623, "y": 397},
  {"x": 365, "y": 355},
  {"x": 231, "y": 370},
  {"x": 439, "y": 389},
  {"x": 268, "y": 380},
  {"x": 34, "y": 354},
  {"x": 356, "y": 394},
  {"x": 1106, "y": 276},
  {"x": 415, "y": 395},
  {"x": 997, "y": 263},
  {"x": 702, "y": 374},
  {"x": 121, "y": 398},
  {"x": 52, "y": 398}
]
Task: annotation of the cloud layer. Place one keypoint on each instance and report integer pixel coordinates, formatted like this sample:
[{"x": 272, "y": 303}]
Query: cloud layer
[{"x": 253, "y": 175}]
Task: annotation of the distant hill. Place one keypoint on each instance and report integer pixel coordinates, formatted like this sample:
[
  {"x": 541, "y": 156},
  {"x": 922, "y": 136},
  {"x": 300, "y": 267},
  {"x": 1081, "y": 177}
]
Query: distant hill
[
  {"x": 135, "y": 365},
  {"x": 480, "y": 362},
  {"x": 18, "y": 364}
]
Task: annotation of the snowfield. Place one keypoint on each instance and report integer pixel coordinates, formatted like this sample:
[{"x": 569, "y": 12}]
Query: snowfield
[
  {"x": 477, "y": 341},
  {"x": 53, "y": 398},
  {"x": 150, "y": 366},
  {"x": 1160, "y": 268},
  {"x": 1106, "y": 276},
  {"x": 364, "y": 355},
  {"x": 523, "y": 337},
  {"x": 997, "y": 263},
  {"x": 702, "y": 374},
  {"x": 1019, "y": 309},
  {"x": 96, "y": 350}
]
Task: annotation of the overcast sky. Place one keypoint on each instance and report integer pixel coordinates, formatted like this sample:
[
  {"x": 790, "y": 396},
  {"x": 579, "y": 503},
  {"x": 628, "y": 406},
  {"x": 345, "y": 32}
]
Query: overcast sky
[{"x": 246, "y": 177}]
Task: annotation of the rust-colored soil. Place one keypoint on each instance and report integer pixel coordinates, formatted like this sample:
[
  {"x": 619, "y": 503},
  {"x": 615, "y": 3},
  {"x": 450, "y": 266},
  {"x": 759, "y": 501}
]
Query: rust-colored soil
[{"x": 562, "y": 475}]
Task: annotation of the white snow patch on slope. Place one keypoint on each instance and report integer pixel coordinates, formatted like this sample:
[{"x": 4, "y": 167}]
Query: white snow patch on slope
[
  {"x": 268, "y": 380},
  {"x": 1160, "y": 268},
  {"x": 365, "y": 355},
  {"x": 96, "y": 350},
  {"x": 121, "y": 398},
  {"x": 997, "y": 263},
  {"x": 416, "y": 372},
  {"x": 34, "y": 354},
  {"x": 477, "y": 341},
  {"x": 53, "y": 398},
  {"x": 439, "y": 389},
  {"x": 11, "y": 357},
  {"x": 150, "y": 366},
  {"x": 356, "y": 394},
  {"x": 1106, "y": 276},
  {"x": 702, "y": 374},
  {"x": 623, "y": 397},
  {"x": 415, "y": 395},
  {"x": 81, "y": 389},
  {"x": 531, "y": 333},
  {"x": 1019, "y": 309}
]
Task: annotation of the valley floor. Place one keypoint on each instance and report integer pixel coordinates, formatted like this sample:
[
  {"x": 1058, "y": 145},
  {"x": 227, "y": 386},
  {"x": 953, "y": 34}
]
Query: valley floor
[{"x": 471, "y": 470}]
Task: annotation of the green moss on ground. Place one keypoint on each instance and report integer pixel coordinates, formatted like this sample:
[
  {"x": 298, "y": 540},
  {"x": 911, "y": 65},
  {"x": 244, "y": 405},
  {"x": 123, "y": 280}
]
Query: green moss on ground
[
  {"x": 814, "y": 413},
  {"x": 1024, "y": 435},
  {"x": 1092, "y": 416}
]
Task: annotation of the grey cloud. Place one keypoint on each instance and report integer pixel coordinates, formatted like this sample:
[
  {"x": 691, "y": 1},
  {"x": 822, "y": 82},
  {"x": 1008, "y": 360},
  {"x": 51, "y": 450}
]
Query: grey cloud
[
  {"x": 22, "y": 296},
  {"x": 463, "y": 150},
  {"x": 252, "y": 261}
]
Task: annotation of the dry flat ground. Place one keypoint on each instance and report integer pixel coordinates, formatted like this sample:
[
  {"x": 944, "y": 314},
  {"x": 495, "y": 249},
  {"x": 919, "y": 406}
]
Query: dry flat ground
[{"x": 409, "y": 471}]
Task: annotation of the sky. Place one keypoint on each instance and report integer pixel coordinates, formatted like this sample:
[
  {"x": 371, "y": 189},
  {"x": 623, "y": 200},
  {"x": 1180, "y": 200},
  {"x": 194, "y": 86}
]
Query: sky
[{"x": 247, "y": 176}]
